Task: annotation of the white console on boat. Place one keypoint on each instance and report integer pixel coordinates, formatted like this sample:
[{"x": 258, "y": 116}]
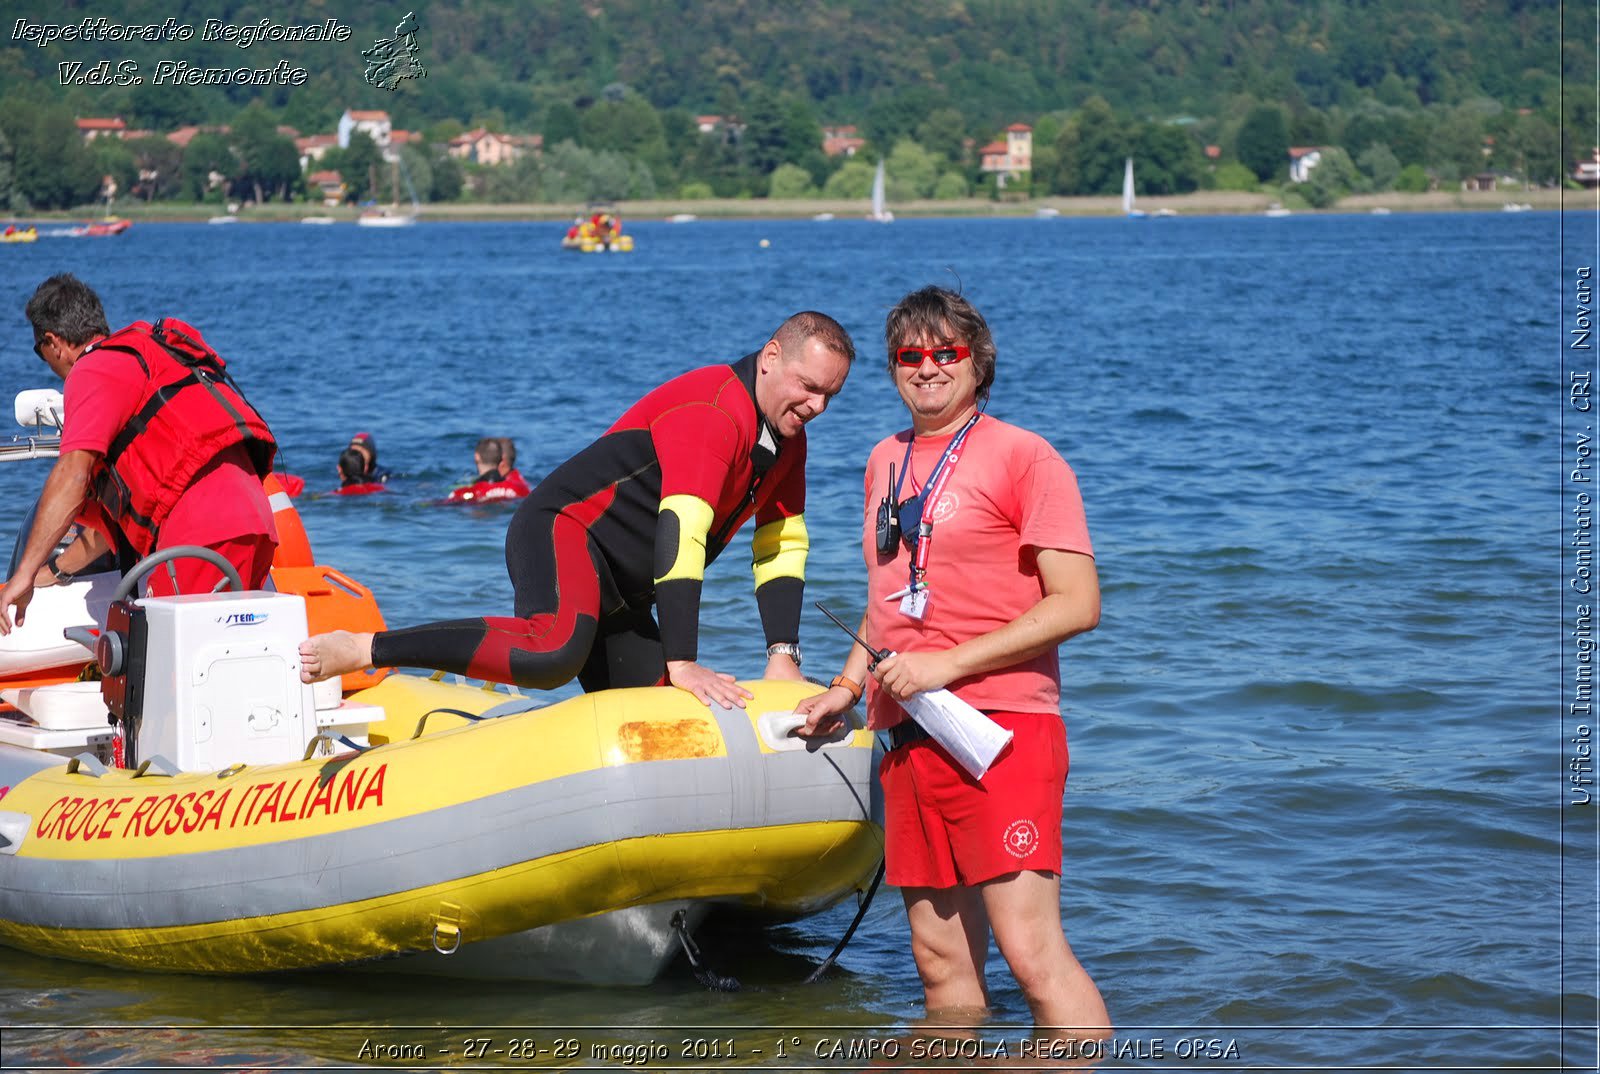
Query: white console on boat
[{"x": 222, "y": 680}]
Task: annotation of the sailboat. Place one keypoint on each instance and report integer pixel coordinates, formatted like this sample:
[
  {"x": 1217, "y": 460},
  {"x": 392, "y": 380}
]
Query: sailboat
[
  {"x": 879, "y": 212},
  {"x": 1127, "y": 192},
  {"x": 391, "y": 217}
]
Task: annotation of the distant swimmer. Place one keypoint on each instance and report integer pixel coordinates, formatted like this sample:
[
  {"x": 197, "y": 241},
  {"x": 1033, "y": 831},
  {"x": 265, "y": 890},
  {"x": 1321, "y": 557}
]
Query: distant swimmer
[
  {"x": 608, "y": 554},
  {"x": 353, "y": 479},
  {"x": 368, "y": 447},
  {"x": 495, "y": 459}
]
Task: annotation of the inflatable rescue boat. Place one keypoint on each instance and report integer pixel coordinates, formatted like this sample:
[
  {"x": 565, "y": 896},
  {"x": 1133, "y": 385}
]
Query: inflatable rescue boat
[{"x": 388, "y": 821}]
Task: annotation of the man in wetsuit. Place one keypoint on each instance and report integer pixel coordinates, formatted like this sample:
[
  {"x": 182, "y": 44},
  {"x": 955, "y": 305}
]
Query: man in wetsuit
[{"x": 629, "y": 524}]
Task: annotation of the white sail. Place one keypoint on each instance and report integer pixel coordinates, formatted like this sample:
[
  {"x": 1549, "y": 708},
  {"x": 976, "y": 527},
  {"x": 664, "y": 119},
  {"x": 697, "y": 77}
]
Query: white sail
[
  {"x": 1127, "y": 189},
  {"x": 879, "y": 212}
]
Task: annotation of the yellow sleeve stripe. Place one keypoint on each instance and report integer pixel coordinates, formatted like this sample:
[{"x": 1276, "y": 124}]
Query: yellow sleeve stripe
[
  {"x": 691, "y": 519},
  {"x": 779, "y": 549}
]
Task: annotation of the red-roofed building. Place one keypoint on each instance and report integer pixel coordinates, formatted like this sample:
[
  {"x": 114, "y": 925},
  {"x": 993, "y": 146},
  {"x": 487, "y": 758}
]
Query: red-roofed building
[
  {"x": 329, "y": 184},
  {"x": 491, "y": 148},
  {"x": 184, "y": 135},
  {"x": 313, "y": 146},
  {"x": 1011, "y": 158},
  {"x": 841, "y": 141},
  {"x": 1302, "y": 159},
  {"x": 93, "y": 127},
  {"x": 375, "y": 124}
]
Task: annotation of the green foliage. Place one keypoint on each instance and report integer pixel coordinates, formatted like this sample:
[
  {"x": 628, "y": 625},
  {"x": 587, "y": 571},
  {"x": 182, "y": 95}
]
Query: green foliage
[
  {"x": 1235, "y": 176},
  {"x": 560, "y": 124},
  {"x": 1380, "y": 166},
  {"x": 1413, "y": 179},
  {"x": 942, "y": 133},
  {"x": 1167, "y": 160},
  {"x": 627, "y": 77},
  {"x": 951, "y": 185},
  {"x": 1090, "y": 152},
  {"x": 209, "y": 164},
  {"x": 695, "y": 191},
  {"x": 10, "y": 200},
  {"x": 910, "y": 172},
  {"x": 51, "y": 168},
  {"x": 790, "y": 181},
  {"x": 852, "y": 181},
  {"x": 1334, "y": 176},
  {"x": 448, "y": 180},
  {"x": 357, "y": 165},
  {"x": 158, "y": 166},
  {"x": 269, "y": 164},
  {"x": 1264, "y": 142}
]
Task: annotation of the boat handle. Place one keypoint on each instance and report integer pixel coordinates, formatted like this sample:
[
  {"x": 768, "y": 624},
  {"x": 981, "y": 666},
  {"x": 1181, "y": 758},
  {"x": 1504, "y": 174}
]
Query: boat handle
[
  {"x": 423, "y": 722},
  {"x": 448, "y": 930}
]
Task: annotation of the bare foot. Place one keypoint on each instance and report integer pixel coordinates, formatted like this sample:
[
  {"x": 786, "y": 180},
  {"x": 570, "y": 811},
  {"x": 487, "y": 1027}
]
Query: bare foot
[{"x": 322, "y": 656}]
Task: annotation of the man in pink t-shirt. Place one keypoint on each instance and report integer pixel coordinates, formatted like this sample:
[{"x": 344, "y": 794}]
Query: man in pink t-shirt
[
  {"x": 189, "y": 469},
  {"x": 979, "y": 566}
]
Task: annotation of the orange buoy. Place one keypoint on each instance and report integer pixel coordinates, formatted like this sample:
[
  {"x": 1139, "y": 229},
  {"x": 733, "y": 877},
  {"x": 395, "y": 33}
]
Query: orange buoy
[{"x": 294, "y": 547}]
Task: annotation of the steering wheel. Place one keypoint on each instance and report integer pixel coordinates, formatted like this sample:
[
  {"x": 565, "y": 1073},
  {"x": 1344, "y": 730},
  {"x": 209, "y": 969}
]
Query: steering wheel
[{"x": 131, "y": 580}]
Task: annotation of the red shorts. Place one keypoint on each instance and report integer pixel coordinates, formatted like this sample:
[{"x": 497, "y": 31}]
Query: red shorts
[
  {"x": 942, "y": 828},
  {"x": 250, "y": 555}
]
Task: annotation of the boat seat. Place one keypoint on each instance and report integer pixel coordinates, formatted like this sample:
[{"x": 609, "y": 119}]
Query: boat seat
[{"x": 60, "y": 706}]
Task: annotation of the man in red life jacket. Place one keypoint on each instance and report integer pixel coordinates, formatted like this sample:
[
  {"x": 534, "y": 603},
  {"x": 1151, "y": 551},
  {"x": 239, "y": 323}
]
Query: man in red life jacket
[{"x": 161, "y": 450}]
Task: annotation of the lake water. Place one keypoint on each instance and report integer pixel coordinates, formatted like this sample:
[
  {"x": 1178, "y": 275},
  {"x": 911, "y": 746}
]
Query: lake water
[{"x": 1318, "y": 807}]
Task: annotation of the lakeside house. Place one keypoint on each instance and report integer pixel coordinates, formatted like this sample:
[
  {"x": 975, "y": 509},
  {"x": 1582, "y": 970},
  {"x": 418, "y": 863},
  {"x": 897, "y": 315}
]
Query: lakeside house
[
  {"x": 1587, "y": 172},
  {"x": 841, "y": 141},
  {"x": 1011, "y": 159},
  {"x": 375, "y": 124},
  {"x": 491, "y": 148},
  {"x": 329, "y": 185},
  {"x": 92, "y": 127},
  {"x": 1302, "y": 160}
]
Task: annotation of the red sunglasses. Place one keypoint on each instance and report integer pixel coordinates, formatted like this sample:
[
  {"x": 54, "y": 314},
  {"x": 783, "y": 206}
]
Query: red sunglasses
[{"x": 946, "y": 355}]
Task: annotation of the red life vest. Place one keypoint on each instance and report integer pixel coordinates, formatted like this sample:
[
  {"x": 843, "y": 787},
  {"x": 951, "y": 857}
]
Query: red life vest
[
  {"x": 511, "y": 487},
  {"x": 188, "y": 411}
]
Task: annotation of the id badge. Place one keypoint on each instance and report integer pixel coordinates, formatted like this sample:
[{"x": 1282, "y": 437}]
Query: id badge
[{"x": 915, "y": 603}]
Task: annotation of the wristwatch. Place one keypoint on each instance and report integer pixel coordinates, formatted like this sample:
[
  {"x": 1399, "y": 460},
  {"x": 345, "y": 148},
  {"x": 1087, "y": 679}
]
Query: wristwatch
[
  {"x": 61, "y": 576},
  {"x": 785, "y": 648}
]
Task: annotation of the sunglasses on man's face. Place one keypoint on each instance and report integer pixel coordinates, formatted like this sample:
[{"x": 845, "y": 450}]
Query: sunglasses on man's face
[
  {"x": 915, "y": 356},
  {"x": 38, "y": 348}
]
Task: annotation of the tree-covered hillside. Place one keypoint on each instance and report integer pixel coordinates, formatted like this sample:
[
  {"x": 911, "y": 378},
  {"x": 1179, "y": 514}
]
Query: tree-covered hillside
[{"x": 1428, "y": 80}]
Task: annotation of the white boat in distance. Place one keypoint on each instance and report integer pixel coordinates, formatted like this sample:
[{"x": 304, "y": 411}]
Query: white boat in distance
[
  {"x": 879, "y": 212},
  {"x": 385, "y": 218},
  {"x": 392, "y": 217},
  {"x": 1127, "y": 192}
]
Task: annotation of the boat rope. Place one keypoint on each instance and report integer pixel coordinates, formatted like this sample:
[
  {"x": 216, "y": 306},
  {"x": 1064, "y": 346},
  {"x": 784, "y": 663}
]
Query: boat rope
[
  {"x": 702, "y": 973},
  {"x": 838, "y": 949}
]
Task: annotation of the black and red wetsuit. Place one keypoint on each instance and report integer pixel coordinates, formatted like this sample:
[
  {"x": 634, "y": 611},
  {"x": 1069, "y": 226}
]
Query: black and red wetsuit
[{"x": 628, "y": 523}]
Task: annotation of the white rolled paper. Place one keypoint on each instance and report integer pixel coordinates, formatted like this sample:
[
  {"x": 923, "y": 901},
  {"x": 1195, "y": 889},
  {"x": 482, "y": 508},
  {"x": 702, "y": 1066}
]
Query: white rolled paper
[{"x": 971, "y": 738}]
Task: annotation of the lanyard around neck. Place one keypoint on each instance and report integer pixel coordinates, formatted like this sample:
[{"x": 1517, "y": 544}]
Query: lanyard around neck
[{"x": 923, "y": 548}]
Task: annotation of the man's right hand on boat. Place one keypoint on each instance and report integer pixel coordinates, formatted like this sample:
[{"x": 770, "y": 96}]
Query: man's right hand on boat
[
  {"x": 711, "y": 687},
  {"x": 18, "y": 591}
]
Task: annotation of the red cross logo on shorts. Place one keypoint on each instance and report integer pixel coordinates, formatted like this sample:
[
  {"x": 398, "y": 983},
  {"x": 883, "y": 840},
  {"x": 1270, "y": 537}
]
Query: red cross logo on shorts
[{"x": 1021, "y": 838}]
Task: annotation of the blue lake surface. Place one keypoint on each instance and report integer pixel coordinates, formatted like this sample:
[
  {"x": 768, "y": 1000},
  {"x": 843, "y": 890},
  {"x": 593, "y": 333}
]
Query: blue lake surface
[{"x": 1317, "y": 783}]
